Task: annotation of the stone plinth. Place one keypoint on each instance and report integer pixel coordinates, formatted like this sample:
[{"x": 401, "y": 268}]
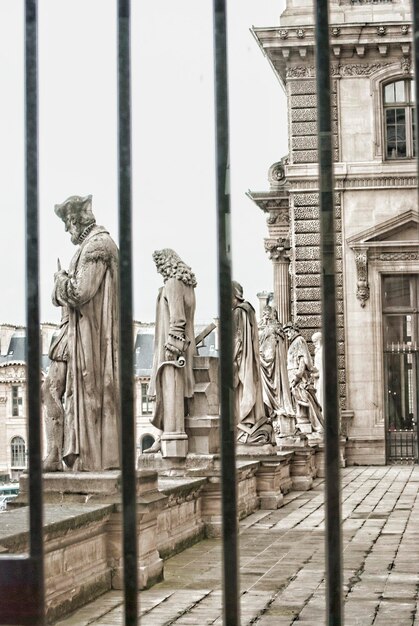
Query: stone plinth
[
  {"x": 321, "y": 457},
  {"x": 205, "y": 400},
  {"x": 203, "y": 433},
  {"x": 150, "y": 502},
  {"x": 247, "y": 496},
  {"x": 75, "y": 487},
  {"x": 67, "y": 488},
  {"x": 174, "y": 445},
  {"x": 192, "y": 464},
  {"x": 303, "y": 468},
  {"x": 203, "y": 423},
  {"x": 75, "y": 542},
  {"x": 270, "y": 477},
  {"x": 253, "y": 451},
  {"x": 180, "y": 524}
]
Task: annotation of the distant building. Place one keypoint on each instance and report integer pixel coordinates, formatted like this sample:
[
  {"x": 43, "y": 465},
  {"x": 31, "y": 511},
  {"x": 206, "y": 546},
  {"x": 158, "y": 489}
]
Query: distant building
[{"x": 376, "y": 211}]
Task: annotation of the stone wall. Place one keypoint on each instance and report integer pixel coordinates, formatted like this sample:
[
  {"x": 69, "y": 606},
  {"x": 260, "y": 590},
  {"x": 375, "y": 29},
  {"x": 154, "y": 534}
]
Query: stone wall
[{"x": 305, "y": 275}]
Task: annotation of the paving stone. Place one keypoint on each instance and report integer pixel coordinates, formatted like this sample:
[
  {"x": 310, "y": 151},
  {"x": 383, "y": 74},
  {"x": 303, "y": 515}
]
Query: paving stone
[{"x": 282, "y": 562}]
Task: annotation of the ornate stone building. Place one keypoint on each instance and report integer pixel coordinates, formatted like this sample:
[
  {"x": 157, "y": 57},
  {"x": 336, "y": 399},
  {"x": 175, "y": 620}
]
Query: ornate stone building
[{"x": 376, "y": 212}]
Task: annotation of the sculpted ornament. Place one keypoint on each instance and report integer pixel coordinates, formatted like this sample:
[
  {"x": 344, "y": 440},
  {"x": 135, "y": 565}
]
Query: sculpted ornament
[
  {"x": 406, "y": 64},
  {"x": 84, "y": 432},
  {"x": 363, "y": 290}
]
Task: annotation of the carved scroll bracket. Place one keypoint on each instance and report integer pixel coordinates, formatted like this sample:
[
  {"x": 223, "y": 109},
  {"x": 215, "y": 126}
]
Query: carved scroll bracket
[{"x": 362, "y": 286}]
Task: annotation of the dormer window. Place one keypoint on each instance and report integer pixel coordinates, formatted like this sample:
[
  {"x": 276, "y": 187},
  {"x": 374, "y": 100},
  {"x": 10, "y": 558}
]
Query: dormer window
[{"x": 399, "y": 119}]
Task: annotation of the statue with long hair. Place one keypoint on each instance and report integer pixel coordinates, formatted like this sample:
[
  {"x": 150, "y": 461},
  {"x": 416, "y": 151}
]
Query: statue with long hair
[{"x": 172, "y": 380}]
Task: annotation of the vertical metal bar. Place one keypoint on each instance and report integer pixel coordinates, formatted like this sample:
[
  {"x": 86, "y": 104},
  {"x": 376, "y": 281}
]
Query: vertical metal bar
[
  {"x": 231, "y": 610},
  {"x": 32, "y": 308},
  {"x": 415, "y": 11},
  {"x": 128, "y": 448},
  {"x": 327, "y": 247}
]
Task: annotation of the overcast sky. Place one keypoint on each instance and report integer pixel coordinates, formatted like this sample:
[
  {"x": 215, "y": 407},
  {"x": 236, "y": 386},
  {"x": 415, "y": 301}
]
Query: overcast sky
[{"x": 173, "y": 139}]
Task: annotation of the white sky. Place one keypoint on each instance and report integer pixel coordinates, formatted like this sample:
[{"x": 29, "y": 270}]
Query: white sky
[{"x": 173, "y": 140}]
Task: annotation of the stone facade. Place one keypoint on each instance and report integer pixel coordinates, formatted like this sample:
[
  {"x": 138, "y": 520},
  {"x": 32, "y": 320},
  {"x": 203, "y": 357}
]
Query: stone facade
[{"x": 375, "y": 194}]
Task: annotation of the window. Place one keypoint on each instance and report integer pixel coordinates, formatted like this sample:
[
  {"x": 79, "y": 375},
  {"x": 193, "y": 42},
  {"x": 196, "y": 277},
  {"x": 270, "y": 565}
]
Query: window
[
  {"x": 17, "y": 401},
  {"x": 399, "y": 119},
  {"x": 18, "y": 450},
  {"x": 146, "y": 442},
  {"x": 400, "y": 303},
  {"x": 145, "y": 402}
]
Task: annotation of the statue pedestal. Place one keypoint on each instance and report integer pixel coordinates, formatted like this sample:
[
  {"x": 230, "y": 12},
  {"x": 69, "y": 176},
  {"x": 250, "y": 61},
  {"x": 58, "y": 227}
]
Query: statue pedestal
[
  {"x": 174, "y": 444},
  {"x": 321, "y": 457},
  {"x": 286, "y": 424},
  {"x": 305, "y": 428}
]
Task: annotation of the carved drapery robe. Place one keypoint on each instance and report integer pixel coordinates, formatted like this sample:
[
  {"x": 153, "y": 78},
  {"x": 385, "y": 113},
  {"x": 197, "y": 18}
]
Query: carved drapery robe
[
  {"x": 90, "y": 293},
  {"x": 273, "y": 363},
  {"x": 175, "y": 311},
  {"x": 249, "y": 407}
]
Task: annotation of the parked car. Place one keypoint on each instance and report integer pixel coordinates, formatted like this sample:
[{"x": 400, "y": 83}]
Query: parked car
[{"x": 4, "y": 500}]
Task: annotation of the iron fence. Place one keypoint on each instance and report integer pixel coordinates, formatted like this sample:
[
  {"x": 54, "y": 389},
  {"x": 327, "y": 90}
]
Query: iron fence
[{"x": 22, "y": 578}]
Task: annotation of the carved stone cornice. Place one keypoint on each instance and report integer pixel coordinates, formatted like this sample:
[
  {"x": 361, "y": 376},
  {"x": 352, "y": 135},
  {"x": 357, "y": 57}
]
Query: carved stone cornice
[
  {"x": 359, "y": 47},
  {"x": 278, "y": 249},
  {"x": 362, "y": 286},
  {"x": 275, "y": 204},
  {"x": 394, "y": 256},
  {"x": 357, "y": 182}
]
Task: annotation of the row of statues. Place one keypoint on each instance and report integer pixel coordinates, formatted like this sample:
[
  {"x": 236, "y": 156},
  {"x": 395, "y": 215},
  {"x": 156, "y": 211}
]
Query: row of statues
[{"x": 272, "y": 381}]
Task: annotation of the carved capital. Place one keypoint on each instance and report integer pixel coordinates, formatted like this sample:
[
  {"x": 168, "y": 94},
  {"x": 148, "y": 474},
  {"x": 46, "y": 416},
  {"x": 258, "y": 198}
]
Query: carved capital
[
  {"x": 362, "y": 286},
  {"x": 278, "y": 249}
]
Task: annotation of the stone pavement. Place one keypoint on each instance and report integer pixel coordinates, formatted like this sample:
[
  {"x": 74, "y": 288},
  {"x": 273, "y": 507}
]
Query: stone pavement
[{"x": 282, "y": 562}]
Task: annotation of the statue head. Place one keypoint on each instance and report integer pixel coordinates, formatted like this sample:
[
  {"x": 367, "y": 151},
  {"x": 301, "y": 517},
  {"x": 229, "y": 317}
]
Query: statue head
[
  {"x": 76, "y": 213},
  {"x": 170, "y": 265},
  {"x": 236, "y": 292},
  {"x": 291, "y": 330},
  {"x": 316, "y": 338}
]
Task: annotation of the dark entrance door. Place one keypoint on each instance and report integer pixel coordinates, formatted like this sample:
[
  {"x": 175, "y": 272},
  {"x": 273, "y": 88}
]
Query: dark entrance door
[{"x": 400, "y": 322}]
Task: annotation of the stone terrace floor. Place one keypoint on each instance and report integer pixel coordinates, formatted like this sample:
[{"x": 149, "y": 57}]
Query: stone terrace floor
[{"x": 282, "y": 562}]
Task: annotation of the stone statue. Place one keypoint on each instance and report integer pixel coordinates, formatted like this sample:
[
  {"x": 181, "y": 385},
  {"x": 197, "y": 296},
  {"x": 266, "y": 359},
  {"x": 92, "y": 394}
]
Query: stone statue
[
  {"x": 273, "y": 363},
  {"x": 318, "y": 366},
  {"x": 253, "y": 425},
  {"x": 85, "y": 354},
  {"x": 308, "y": 411},
  {"x": 172, "y": 380}
]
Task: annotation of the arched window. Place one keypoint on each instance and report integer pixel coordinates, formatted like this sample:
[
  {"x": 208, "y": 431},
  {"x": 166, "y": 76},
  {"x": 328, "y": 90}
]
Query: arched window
[
  {"x": 146, "y": 442},
  {"x": 399, "y": 119},
  {"x": 18, "y": 450}
]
